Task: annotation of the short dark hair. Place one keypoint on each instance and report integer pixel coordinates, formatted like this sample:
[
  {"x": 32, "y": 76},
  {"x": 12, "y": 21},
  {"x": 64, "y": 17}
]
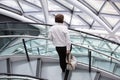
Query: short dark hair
[{"x": 59, "y": 18}]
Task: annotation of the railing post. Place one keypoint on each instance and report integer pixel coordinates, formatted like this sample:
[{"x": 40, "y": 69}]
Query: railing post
[
  {"x": 89, "y": 55},
  {"x": 8, "y": 65},
  {"x": 38, "y": 51},
  {"x": 111, "y": 55},
  {"x": 28, "y": 59}
]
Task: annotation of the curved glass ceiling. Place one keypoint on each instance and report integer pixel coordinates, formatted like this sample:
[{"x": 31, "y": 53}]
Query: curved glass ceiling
[{"x": 100, "y": 17}]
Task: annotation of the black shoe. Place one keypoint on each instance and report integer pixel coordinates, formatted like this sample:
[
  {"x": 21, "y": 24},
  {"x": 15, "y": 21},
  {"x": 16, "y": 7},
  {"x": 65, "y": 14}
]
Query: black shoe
[{"x": 63, "y": 70}]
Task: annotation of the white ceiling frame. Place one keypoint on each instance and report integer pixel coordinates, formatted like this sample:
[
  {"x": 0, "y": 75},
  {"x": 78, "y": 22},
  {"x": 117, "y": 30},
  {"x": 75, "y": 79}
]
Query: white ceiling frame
[
  {"x": 117, "y": 39},
  {"x": 45, "y": 10},
  {"x": 21, "y": 9},
  {"x": 115, "y": 0},
  {"x": 10, "y": 9},
  {"x": 29, "y": 4},
  {"x": 114, "y": 6},
  {"x": 117, "y": 27},
  {"x": 14, "y": 15},
  {"x": 18, "y": 17},
  {"x": 90, "y": 13},
  {"x": 59, "y": 3},
  {"x": 109, "y": 15}
]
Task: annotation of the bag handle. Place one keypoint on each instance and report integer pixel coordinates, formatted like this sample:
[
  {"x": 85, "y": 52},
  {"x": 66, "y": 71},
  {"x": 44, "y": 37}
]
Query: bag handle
[{"x": 69, "y": 57}]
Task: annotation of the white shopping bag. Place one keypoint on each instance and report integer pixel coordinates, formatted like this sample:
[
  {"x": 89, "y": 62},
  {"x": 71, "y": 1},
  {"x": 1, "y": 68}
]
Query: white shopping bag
[{"x": 71, "y": 62}]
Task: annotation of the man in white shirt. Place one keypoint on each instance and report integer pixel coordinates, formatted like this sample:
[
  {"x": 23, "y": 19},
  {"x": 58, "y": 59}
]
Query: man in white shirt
[{"x": 59, "y": 35}]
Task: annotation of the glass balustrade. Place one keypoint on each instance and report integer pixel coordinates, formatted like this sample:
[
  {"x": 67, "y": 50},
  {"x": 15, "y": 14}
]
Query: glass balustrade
[
  {"x": 45, "y": 47},
  {"x": 34, "y": 47},
  {"x": 42, "y": 46},
  {"x": 107, "y": 47},
  {"x": 19, "y": 28},
  {"x": 36, "y": 29},
  {"x": 98, "y": 59}
]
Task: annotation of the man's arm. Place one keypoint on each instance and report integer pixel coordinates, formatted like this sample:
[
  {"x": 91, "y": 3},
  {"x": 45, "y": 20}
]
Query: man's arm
[
  {"x": 68, "y": 41},
  {"x": 50, "y": 35}
]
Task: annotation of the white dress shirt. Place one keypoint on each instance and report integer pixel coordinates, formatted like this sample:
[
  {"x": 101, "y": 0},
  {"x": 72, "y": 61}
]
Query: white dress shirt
[{"x": 60, "y": 36}]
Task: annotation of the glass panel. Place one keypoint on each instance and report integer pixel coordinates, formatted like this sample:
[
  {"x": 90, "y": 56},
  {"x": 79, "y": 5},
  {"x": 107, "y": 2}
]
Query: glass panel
[
  {"x": 16, "y": 28},
  {"x": 95, "y": 43},
  {"x": 97, "y": 26},
  {"x": 77, "y": 21},
  {"x": 28, "y": 7},
  {"x": 65, "y": 3},
  {"x": 96, "y": 4},
  {"x": 34, "y": 47},
  {"x": 67, "y": 17},
  {"x": 117, "y": 4},
  {"x": 97, "y": 58},
  {"x": 77, "y": 10},
  {"x": 35, "y": 2},
  {"x": 112, "y": 21},
  {"x": 54, "y": 6},
  {"x": 117, "y": 53},
  {"x": 10, "y": 3},
  {"x": 37, "y": 17},
  {"x": 108, "y": 8},
  {"x": 86, "y": 17}
]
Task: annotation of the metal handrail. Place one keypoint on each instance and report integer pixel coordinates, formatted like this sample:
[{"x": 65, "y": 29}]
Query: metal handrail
[
  {"x": 2, "y": 48},
  {"x": 22, "y": 36},
  {"x": 21, "y": 75},
  {"x": 39, "y": 37},
  {"x": 95, "y": 36},
  {"x": 16, "y": 22},
  {"x": 96, "y": 51}
]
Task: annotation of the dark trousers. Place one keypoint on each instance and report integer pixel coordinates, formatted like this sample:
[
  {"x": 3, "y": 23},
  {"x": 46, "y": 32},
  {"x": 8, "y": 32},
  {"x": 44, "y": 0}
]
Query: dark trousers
[{"x": 62, "y": 57}]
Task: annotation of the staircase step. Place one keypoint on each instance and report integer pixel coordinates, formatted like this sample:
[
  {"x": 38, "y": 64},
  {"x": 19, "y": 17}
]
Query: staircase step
[
  {"x": 3, "y": 66},
  {"x": 24, "y": 67},
  {"x": 82, "y": 74},
  {"x": 106, "y": 65},
  {"x": 51, "y": 71},
  {"x": 117, "y": 70},
  {"x": 105, "y": 78}
]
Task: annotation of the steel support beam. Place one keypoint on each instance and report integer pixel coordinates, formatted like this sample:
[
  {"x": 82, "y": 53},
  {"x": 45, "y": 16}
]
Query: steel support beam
[{"x": 90, "y": 13}]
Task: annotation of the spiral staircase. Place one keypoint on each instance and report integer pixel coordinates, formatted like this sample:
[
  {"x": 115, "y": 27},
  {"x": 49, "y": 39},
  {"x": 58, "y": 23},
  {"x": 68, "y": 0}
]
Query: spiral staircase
[{"x": 28, "y": 57}]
